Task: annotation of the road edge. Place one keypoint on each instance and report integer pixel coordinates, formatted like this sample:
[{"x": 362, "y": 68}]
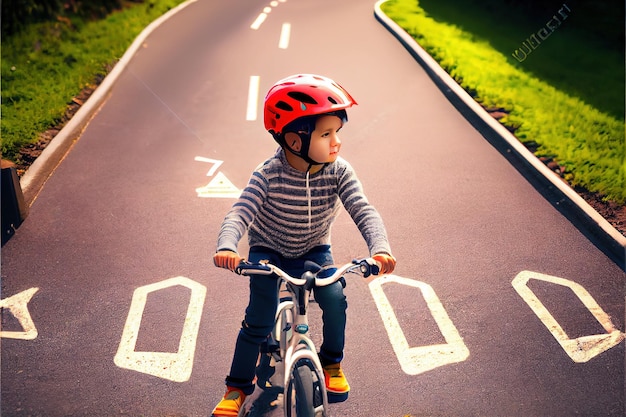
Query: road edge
[
  {"x": 610, "y": 237},
  {"x": 42, "y": 168}
]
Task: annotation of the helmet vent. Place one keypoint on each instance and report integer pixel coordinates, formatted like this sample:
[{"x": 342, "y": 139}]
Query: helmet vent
[
  {"x": 332, "y": 100},
  {"x": 302, "y": 97},
  {"x": 284, "y": 106}
]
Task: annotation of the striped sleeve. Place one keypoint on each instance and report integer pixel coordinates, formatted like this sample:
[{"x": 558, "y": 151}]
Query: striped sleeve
[
  {"x": 364, "y": 215},
  {"x": 242, "y": 213}
]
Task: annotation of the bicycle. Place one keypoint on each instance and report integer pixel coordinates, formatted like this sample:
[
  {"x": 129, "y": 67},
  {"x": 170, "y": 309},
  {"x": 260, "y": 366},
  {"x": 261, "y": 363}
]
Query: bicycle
[{"x": 304, "y": 391}]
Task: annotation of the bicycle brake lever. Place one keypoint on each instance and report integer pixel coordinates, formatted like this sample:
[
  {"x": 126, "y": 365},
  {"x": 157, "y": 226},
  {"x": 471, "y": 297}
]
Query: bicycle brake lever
[
  {"x": 240, "y": 268},
  {"x": 369, "y": 267},
  {"x": 247, "y": 268}
]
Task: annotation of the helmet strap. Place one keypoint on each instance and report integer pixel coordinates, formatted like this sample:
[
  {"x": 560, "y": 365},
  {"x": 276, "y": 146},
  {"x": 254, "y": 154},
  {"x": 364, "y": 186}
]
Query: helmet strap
[{"x": 303, "y": 152}]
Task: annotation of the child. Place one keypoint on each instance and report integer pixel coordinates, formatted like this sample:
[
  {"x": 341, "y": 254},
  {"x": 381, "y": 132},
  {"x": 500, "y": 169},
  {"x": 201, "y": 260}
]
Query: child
[{"x": 287, "y": 208}]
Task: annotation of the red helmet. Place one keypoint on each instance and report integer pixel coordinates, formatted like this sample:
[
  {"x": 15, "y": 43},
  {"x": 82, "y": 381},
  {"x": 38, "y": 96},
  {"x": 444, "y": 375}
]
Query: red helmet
[{"x": 302, "y": 95}]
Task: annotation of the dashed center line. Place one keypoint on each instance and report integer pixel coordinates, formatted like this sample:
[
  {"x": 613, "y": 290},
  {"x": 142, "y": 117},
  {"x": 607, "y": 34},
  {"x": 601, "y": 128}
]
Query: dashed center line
[
  {"x": 283, "y": 42},
  {"x": 259, "y": 21},
  {"x": 253, "y": 97},
  {"x": 263, "y": 15}
]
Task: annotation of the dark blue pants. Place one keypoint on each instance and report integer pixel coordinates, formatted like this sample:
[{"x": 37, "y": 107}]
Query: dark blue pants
[{"x": 259, "y": 317}]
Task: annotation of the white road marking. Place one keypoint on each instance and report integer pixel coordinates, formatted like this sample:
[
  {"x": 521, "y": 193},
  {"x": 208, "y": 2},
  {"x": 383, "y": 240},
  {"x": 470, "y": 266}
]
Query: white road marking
[
  {"x": 172, "y": 366},
  {"x": 253, "y": 97},
  {"x": 18, "y": 306},
  {"x": 283, "y": 42},
  {"x": 417, "y": 360},
  {"x": 219, "y": 187},
  {"x": 258, "y": 21},
  {"x": 216, "y": 164},
  {"x": 583, "y": 348},
  {"x": 263, "y": 15}
]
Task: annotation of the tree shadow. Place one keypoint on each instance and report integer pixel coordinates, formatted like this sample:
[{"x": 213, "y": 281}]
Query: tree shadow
[{"x": 574, "y": 59}]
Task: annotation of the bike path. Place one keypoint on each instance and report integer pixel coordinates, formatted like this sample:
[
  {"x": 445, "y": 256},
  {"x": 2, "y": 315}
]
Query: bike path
[{"x": 122, "y": 217}]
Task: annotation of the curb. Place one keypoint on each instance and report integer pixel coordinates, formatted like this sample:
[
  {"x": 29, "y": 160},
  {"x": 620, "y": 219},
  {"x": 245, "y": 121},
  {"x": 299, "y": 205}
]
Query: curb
[
  {"x": 42, "y": 168},
  {"x": 611, "y": 241}
]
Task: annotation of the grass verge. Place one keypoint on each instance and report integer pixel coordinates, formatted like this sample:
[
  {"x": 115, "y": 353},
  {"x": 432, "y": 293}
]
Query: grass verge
[
  {"x": 44, "y": 66},
  {"x": 545, "y": 99}
]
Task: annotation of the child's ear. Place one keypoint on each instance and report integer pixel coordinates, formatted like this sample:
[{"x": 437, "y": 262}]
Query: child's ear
[{"x": 292, "y": 139}]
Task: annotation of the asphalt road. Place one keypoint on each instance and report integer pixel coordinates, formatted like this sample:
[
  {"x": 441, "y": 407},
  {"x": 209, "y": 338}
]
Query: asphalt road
[{"x": 499, "y": 306}]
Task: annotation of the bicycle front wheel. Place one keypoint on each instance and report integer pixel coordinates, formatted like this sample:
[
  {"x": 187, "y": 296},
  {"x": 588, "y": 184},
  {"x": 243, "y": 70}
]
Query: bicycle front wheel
[{"x": 304, "y": 396}]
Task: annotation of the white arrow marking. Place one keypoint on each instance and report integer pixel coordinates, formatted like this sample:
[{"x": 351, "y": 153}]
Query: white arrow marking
[
  {"x": 417, "y": 360},
  {"x": 216, "y": 164},
  {"x": 18, "y": 306},
  {"x": 583, "y": 348},
  {"x": 219, "y": 187},
  {"x": 172, "y": 366}
]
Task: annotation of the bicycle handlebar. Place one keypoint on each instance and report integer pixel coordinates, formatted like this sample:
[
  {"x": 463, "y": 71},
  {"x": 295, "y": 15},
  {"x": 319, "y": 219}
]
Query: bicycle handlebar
[{"x": 365, "y": 266}]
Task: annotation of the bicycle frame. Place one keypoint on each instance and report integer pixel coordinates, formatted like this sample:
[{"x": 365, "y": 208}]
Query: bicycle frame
[
  {"x": 291, "y": 334},
  {"x": 296, "y": 345}
]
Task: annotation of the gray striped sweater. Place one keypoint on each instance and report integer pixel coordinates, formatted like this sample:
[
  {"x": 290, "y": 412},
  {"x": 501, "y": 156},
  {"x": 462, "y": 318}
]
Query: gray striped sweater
[{"x": 283, "y": 210}]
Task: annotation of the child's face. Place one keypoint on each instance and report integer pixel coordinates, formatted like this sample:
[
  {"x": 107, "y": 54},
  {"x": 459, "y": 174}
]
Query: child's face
[{"x": 325, "y": 143}]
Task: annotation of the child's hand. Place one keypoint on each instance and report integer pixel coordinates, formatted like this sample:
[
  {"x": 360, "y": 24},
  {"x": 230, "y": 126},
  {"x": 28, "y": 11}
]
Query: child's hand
[
  {"x": 387, "y": 262},
  {"x": 227, "y": 259}
]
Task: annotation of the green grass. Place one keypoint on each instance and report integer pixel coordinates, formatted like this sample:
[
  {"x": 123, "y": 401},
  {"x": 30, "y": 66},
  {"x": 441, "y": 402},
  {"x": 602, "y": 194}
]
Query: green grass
[
  {"x": 558, "y": 98},
  {"x": 44, "y": 66}
]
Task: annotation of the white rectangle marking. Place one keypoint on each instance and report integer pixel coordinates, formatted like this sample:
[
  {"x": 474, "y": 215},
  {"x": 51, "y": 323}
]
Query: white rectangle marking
[
  {"x": 285, "y": 32},
  {"x": 253, "y": 96}
]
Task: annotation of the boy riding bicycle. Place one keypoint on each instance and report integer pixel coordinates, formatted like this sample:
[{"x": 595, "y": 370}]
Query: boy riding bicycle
[{"x": 287, "y": 208}]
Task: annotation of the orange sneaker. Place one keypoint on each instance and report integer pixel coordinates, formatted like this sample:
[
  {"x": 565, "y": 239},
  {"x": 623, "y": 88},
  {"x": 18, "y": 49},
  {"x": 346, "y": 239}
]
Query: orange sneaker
[
  {"x": 336, "y": 382},
  {"x": 229, "y": 405}
]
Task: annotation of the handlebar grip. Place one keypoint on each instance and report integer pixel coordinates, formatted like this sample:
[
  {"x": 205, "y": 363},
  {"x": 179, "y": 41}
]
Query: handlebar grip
[{"x": 247, "y": 268}]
